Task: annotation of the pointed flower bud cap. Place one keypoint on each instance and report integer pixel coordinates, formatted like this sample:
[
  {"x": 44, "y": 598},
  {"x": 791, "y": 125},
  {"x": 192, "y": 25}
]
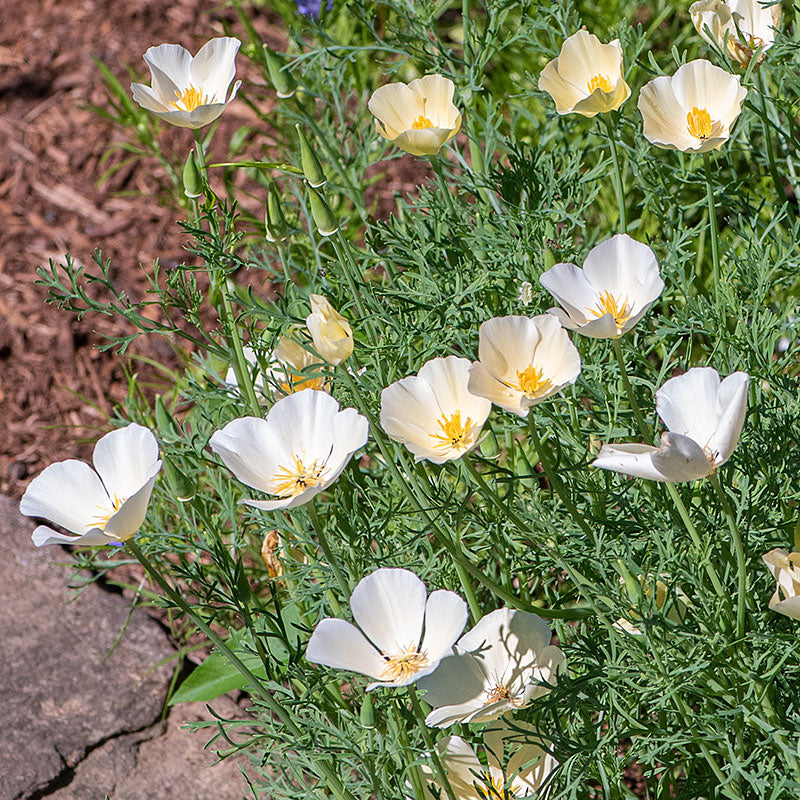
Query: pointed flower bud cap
[
  {"x": 587, "y": 76},
  {"x": 188, "y": 91},
  {"x": 296, "y": 452},
  {"x": 704, "y": 417},
  {"x": 503, "y": 664},
  {"x": 282, "y": 80},
  {"x": 619, "y": 281},
  {"x": 392, "y": 608},
  {"x": 192, "y": 180},
  {"x": 524, "y": 774},
  {"x": 275, "y": 226},
  {"x": 312, "y": 168},
  {"x": 330, "y": 331},
  {"x": 101, "y": 505},
  {"x": 693, "y": 110},
  {"x": 744, "y": 26},
  {"x": 785, "y": 568},
  {"x": 433, "y": 413},
  {"x": 418, "y": 117},
  {"x": 321, "y": 212},
  {"x": 523, "y": 361}
]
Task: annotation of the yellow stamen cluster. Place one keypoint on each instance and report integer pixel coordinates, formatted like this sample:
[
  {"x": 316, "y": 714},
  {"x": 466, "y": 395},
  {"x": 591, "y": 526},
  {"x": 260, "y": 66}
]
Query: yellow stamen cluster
[
  {"x": 402, "y": 667},
  {"x": 494, "y": 788},
  {"x": 617, "y": 307},
  {"x": 421, "y": 123},
  {"x": 190, "y": 98},
  {"x": 456, "y": 433},
  {"x": 296, "y": 383},
  {"x": 600, "y": 82},
  {"x": 291, "y": 481},
  {"x": 531, "y": 382},
  {"x": 497, "y": 694},
  {"x": 101, "y": 519},
  {"x": 698, "y": 121}
]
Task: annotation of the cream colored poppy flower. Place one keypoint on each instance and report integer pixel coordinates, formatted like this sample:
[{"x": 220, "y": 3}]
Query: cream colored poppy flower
[
  {"x": 419, "y": 117},
  {"x": 100, "y": 505},
  {"x": 296, "y": 452},
  {"x": 433, "y": 413},
  {"x": 618, "y": 283},
  {"x": 402, "y": 634},
  {"x": 330, "y": 331},
  {"x": 694, "y": 110},
  {"x": 504, "y": 663},
  {"x": 187, "y": 91},
  {"x": 704, "y": 416},
  {"x": 522, "y": 361},
  {"x": 746, "y": 26},
  {"x": 785, "y": 568},
  {"x": 586, "y": 78},
  {"x": 523, "y": 774},
  {"x": 677, "y": 611}
]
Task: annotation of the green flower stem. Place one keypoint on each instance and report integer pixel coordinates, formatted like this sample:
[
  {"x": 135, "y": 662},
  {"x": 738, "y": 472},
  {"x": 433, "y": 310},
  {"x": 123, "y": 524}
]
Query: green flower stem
[
  {"x": 413, "y": 771},
  {"x": 333, "y": 562},
  {"x": 333, "y": 781},
  {"x": 436, "y": 163},
  {"x": 626, "y": 382},
  {"x": 554, "y": 478},
  {"x": 712, "y": 220},
  {"x": 612, "y": 141},
  {"x": 426, "y": 737},
  {"x": 353, "y": 277},
  {"x": 773, "y": 167},
  {"x": 741, "y": 564}
]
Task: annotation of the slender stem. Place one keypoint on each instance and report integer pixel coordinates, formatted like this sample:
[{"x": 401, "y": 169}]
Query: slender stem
[
  {"x": 637, "y": 413},
  {"x": 333, "y": 562},
  {"x": 741, "y": 564},
  {"x": 554, "y": 478},
  {"x": 333, "y": 781},
  {"x": 773, "y": 167},
  {"x": 436, "y": 163},
  {"x": 712, "y": 220},
  {"x": 426, "y": 737},
  {"x": 612, "y": 141},
  {"x": 413, "y": 771},
  {"x": 353, "y": 276}
]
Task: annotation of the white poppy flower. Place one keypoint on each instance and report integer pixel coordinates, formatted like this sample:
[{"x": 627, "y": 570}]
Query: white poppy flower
[
  {"x": 704, "y": 417},
  {"x": 187, "y": 91},
  {"x": 501, "y": 665},
  {"x": 618, "y": 283},
  {"x": 524, "y": 775},
  {"x": 405, "y": 631},
  {"x": 101, "y": 506},
  {"x": 297, "y": 451},
  {"x": 785, "y": 568},
  {"x": 677, "y": 611},
  {"x": 432, "y": 413},
  {"x": 330, "y": 331},
  {"x": 746, "y": 25},
  {"x": 522, "y": 361},
  {"x": 419, "y": 117},
  {"x": 694, "y": 110},
  {"x": 586, "y": 78}
]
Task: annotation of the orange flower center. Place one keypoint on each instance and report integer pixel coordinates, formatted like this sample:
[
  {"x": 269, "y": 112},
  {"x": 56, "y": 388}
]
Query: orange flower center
[
  {"x": 455, "y": 433},
  {"x": 531, "y": 382},
  {"x": 403, "y": 666},
  {"x": 100, "y": 520},
  {"x": 600, "y": 82},
  {"x": 189, "y": 99},
  {"x": 617, "y": 307},
  {"x": 291, "y": 481},
  {"x": 698, "y": 121},
  {"x": 421, "y": 123}
]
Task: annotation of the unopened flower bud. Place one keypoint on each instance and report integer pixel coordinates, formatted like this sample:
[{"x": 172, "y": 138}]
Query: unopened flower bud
[
  {"x": 330, "y": 331},
  {"x": 367, "y": 714},
  {"x": 192, "y": 180},
  {"x": 274, "y": 222},
  {"x": 322, "y": 214},
  {"x": 281, "y": 78},
  {"x": 182, "y": 486},
  {"x": 312, "y": 168}
]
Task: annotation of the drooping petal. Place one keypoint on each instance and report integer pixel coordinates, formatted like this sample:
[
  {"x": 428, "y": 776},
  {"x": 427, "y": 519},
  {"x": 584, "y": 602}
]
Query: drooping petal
[
  {"x": 68, "y": 493},
  {"x": 145, "y": 97},
  {"x": 457, "y": 690},
  {"x": 389, "y": 606},
  {"x": 124, "y": 459},
  {"x": 731, "y": 410},
  {"x": 423, "y": 142},
  {"x": 43, "y": 535},
  {"x": 130, "y": 516},
  {"x": 570, "y": 286},
  {"x": 445, "y": 618},
  {"x": 214, "y": 67},
  {"x": 338, "y": 644}
]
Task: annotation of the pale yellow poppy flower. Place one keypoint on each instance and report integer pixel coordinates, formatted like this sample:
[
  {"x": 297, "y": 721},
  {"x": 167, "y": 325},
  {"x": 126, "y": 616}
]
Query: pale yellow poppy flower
[
  {"x": 693, "y": 110},
  {"x": 419, "y": 117},
  {"x": 586, "y": 78},
  {"x": 785, "y": 568},
  {"x": 745, "y": 25},
  {"x": 330, "y": 331}
]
